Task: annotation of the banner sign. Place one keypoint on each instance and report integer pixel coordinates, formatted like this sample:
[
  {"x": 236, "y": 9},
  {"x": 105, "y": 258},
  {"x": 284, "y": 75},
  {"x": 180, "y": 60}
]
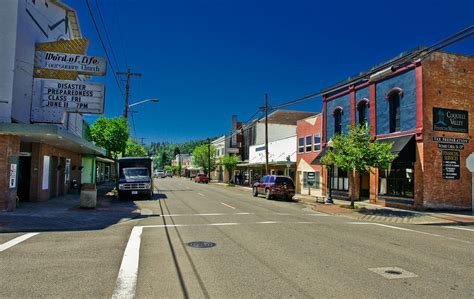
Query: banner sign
[
  {"x": 451, "y": 165},
  {"x": 451, "y": 139},
  {"x": 82, "y": 64},
  {"x": 450, "y": 120},
  {"x": 71, "y": 96},
  {"x": 451, "y": 146}
]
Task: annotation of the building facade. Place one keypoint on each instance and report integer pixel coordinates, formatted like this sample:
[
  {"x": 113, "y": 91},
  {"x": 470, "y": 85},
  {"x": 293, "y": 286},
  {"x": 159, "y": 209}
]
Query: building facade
[
  {"x": 43, "y": 150},
  {"x": 420, "y": 103},
  {"x": 310, "y": 179}
]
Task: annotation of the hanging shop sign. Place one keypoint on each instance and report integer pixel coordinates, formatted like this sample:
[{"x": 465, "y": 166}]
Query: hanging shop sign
[
  {"x": 451, "y": 146},
  {"x": 451, "y": 139},
  {"x": 70, "y": 96},
  {"x": 451, "y": 165},
  {"x": 450, "y": 120},
  {"x": 82, "y": 64}
]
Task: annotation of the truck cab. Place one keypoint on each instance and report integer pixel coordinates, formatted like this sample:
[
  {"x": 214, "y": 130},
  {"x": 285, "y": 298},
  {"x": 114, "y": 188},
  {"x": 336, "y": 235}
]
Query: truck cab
[{"x": 135, "y": 178}]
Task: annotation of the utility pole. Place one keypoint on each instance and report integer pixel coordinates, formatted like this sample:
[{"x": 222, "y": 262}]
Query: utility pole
[
  {"x": 266, "y": 134},
  {"x": 129, "y": 74},
  {"x": 209, "y": 158},
  {"x": 142, "y": 143}
]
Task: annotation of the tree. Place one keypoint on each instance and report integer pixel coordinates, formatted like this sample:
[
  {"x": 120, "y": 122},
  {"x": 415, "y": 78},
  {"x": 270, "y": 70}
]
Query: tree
[
  {"x": 230, "y": 163},
  {"x": 201, "y": 157},
  {"x": 164, "y": 157},
  {"x": 111, "y": 134},
  {"x": 133, "y": 149},
  {"x": 176, "y": 151},
  {"x": 357, "y": 154}
]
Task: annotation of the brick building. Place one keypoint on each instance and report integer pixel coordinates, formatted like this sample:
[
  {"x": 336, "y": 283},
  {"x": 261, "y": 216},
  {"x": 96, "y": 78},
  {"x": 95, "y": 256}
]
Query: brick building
[
  {"x": 310, "y": 178},
  {"x": 421, "y": 103}
]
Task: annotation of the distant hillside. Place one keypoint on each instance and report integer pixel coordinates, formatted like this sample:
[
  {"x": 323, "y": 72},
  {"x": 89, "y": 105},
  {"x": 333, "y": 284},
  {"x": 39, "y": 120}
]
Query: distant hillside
[{"x": 164, "y": 152}]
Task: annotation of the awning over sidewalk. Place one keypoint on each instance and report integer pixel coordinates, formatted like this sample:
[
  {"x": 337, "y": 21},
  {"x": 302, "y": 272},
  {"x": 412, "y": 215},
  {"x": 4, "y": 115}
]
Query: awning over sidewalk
[
  {"x": 403, "y": 146},
  {"x": 52, "y": 135}
]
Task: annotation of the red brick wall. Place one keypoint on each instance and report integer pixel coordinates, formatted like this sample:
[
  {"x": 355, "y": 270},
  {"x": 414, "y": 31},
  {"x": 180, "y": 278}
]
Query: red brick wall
[
  {"x": 306, "y": 128},
  {"x": 39, "y": 150},
  {"x": 9, "y": 147},
  {"x": 448, "y": 82}
]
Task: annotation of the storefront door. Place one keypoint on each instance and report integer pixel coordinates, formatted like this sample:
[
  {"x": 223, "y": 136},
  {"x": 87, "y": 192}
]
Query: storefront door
[{"x": 24, "y": 175}]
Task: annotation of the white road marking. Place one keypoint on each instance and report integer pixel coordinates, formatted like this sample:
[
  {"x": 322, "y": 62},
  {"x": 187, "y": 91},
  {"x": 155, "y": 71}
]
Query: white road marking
[
  {"x": 221, "y": 224},
  {"x": 461, "y": 228},
  {"x": 200, "y": 194},
  {"x": 227, "y": 205},
  {"x": 396, "y": 227},
  {"x": 128, "y": 273},
  {"x": 15, "y": 241}
]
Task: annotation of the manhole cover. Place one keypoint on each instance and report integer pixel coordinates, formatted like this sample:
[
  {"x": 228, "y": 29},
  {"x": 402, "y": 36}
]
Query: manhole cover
[
  {"x": 201, "y": 244},
  {"x": 393, "y": 272}
]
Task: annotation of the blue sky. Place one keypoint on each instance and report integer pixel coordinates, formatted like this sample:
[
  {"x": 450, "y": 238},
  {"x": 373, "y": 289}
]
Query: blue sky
[{"x": 208, "y": 59}]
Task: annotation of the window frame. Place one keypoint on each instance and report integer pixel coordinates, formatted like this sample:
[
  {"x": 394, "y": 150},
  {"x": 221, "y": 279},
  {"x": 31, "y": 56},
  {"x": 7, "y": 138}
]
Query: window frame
[
  {"x": 337, "y": 116},
  {"x": 306, "y": 144},
  {"x": 301, "y": 147},
  {"x": 316, "y": 143},
  {"x": 394, "y": 98},
  {"x": 364, "y": 103}
]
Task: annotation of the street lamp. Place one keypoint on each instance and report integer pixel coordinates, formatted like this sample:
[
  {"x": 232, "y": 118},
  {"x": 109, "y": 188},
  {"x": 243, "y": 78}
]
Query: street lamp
[
  {"x": 330, "y": 170},
  {"x": 144, "y": 101}
]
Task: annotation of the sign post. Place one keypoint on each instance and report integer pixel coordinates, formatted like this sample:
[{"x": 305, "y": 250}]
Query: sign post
[{"x": 470, "y": 166}]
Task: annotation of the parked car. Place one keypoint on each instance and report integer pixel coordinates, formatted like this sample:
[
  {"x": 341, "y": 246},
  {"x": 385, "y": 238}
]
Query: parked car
[
  {"x": 274, "y": 186},
  {"x": 159, "y": 174},
  {"x": 201, "y": 178},
  {"x": 169, "y": 173}
]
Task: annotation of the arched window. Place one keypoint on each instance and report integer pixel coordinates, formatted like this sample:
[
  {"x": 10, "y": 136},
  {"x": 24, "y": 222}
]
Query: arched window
[
  {"x": 362, "y": 112},
  {"x": 393, "y": 98},
  {"x": 337, "y": 114}
]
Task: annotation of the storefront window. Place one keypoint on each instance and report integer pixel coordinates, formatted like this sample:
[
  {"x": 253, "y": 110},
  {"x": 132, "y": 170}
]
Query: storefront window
[
  {"x": 311, "y": 179},
  {"x": 398, "y": 181},
  {"x": 340, "y": 181}
]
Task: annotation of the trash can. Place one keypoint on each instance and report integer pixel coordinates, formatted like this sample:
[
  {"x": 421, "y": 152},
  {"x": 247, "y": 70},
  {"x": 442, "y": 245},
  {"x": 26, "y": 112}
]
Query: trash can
[{"x": 88, "y": 196}]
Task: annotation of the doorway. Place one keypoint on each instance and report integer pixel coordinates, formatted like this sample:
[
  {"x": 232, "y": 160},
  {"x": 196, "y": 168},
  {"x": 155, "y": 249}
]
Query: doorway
[
  {"x": 24, "y": 176},
  {"x": 365, "y": 186}
]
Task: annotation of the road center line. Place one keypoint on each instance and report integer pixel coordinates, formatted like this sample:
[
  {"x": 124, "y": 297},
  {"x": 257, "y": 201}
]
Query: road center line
[
  {"x": 223, "y": 224},
  {"x": 396, "y": 227},
  {"x": 461, "y": 228},
  {"x": 15, "y": 241},
  {"x": 128, "y": 273},
  {"x": 227, "y": 205}
]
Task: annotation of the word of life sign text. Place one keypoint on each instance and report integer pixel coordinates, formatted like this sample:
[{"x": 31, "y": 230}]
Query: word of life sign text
[
  {"x": 71, "y": 96},
  {"x": 82, "y": 64}
]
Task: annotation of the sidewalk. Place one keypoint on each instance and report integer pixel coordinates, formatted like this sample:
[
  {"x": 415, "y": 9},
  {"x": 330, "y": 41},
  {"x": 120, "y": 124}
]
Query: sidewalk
[
  {"x": 64, "y": 214},
  {"x": 367, "y": 211}
]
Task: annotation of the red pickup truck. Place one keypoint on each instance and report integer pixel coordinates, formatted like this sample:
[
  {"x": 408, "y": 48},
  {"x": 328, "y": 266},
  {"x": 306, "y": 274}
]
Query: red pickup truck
[{"x": 201, "y": 178}]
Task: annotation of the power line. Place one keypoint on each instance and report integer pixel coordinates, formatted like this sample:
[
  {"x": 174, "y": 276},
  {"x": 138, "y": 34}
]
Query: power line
[
  {"x": 103, "y": 46},
  {"x": 119, "y": 27},
  {"x": 107, "y": 34},
  {"x": 421, "y": 54}
]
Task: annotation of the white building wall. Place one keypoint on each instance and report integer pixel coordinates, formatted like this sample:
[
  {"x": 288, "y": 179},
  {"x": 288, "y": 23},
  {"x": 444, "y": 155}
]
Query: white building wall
[
  {"x": 278, "y": 151},
  {"x": 24, "y": 24},
  {"x": 9, "y": 20},
  {"x": 275, "y": 132}
]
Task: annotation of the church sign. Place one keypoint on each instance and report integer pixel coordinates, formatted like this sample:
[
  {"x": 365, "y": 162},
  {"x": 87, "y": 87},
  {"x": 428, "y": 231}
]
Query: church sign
[
  {"x": 450, "y": 120},
  {"x": 70, "y": 96},
  {"x": 82, "y": 64}
]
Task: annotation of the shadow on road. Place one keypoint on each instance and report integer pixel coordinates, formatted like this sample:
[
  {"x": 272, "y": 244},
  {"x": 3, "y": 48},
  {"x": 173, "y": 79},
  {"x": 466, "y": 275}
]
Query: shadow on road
[{"x": 389, "y": 213}]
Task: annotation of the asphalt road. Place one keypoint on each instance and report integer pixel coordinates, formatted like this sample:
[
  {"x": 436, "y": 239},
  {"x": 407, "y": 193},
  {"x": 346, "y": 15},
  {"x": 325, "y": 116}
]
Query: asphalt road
[{"x": 263, "y": 249}]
